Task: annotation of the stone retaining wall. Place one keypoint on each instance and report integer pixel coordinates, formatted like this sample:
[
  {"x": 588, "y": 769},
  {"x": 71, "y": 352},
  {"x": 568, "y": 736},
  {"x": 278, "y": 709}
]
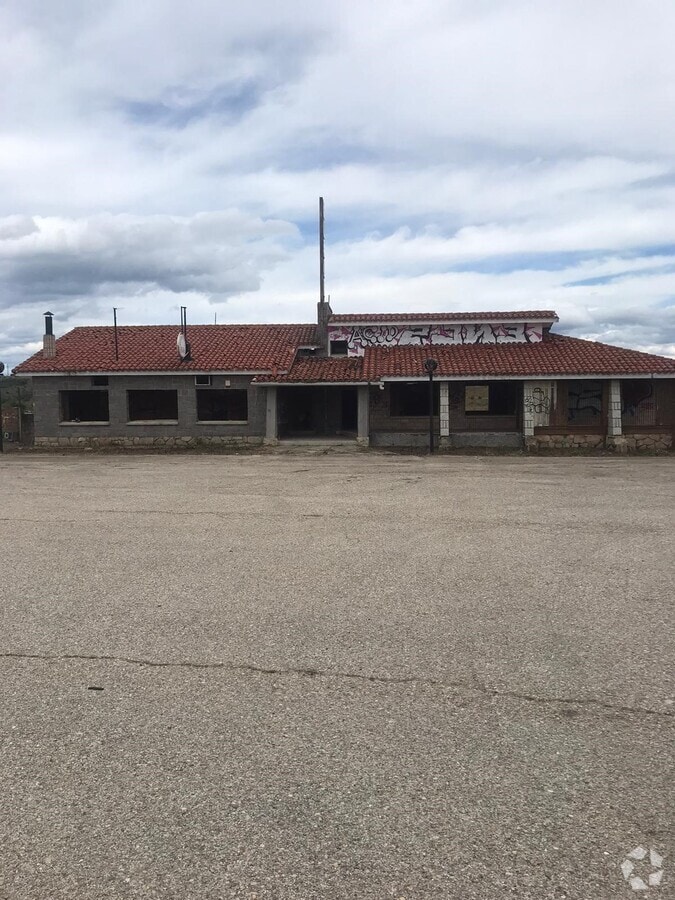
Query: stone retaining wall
[
  {"x": 173, "y": 442},
  {"x": 626, "y": 443},
  {"x": 565, "y": 442},
  {"x": 645, "y": 442}
]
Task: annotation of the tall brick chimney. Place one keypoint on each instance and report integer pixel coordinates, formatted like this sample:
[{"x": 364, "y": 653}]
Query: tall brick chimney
[{"x": 48, "y": 340}]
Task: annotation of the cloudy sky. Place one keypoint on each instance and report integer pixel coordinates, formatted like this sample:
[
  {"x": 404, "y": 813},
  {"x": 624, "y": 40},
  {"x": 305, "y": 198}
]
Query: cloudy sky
[{"x": 474, "y": 154}]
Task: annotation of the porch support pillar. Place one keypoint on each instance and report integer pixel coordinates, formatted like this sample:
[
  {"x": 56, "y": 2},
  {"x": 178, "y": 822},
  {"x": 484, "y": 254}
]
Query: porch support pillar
[
  {"x": 363, "y": 414},
  {"x": 614, "y": 409},
  {"x": 271, "y": 417},
  {"x": 445, "y": 408},
  {"x": 538, "y": 401},
  {"x": 528, "y": 409}
]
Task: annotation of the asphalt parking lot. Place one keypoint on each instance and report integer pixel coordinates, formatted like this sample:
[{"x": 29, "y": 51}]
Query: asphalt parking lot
[{"x": 349, "y": 676}]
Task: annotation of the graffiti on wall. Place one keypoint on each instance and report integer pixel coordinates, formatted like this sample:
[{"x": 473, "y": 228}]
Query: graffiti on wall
[
  {"x": 638, "y": 406},
  {"x": 359, "y": 337},
  {"x": 584, "y": 401},
  {"x": 637, "y": 395},
  {"x": 538, "y": 401}
]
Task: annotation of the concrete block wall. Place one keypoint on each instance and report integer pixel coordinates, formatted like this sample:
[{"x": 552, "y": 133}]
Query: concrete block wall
[
  {"x": 499, "y": 440},
  {"x": 49, "y": 429}
]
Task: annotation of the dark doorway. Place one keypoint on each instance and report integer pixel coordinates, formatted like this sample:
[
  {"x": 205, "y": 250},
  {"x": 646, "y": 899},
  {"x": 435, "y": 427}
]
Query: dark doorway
[
  {"x": 349, "y": 409},
  {"x": 298, "y": 412},
  {"x": 315, "y": 412}
]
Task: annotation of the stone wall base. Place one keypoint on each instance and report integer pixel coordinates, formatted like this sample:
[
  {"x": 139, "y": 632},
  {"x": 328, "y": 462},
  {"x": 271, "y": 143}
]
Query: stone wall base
[
  {"x": 650, "y": 442},
  {"x": 512, "y": 440},
  {"x": 625, "y": 443},
  {"x": 157, "y": 442},
  {"x": 399, "y": 439}
]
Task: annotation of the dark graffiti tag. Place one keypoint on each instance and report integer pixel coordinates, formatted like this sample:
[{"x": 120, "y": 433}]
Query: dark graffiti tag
[
  {"x": 584, "y": 400},
  {"x": 638, "y": 406},
  {"x": 636, "y": 394}
]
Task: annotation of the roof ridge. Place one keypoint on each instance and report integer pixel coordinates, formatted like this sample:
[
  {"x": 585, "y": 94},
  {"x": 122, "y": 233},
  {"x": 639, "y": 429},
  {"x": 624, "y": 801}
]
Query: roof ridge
[
  {"x": 510, "y": 313},
  {"x": 195, "y": 325}
]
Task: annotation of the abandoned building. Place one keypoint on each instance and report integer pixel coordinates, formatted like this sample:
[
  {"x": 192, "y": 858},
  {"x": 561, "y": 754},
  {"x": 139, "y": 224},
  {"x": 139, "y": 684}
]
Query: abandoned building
[{"x": 503, "y": 379}]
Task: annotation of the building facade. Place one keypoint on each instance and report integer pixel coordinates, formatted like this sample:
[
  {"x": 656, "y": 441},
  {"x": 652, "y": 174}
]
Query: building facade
[{"x": 504, "y": 379}]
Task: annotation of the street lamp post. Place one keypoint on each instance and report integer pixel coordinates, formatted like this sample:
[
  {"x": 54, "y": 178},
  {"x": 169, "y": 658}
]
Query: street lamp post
[
  {"x": 2, "y": 425},
  {"x": 430, "y": 366}
]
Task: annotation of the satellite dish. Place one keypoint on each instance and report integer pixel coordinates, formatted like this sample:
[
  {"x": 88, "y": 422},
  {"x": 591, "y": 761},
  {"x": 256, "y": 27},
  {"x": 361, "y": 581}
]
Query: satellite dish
[{"x": 182, "y": 344}]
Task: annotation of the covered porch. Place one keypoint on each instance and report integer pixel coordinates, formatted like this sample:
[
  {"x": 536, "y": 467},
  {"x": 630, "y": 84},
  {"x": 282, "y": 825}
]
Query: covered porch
[
  {"x": 466, "y": 413},
  {"x": 318, "y": 412},
  {"x": 616, "y": 413},
  {"x": 555, "y": 413}
]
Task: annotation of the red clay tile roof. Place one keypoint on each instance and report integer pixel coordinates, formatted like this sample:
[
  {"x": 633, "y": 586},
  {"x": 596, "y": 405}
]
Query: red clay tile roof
[
  {"x": 152, "y": 348},
  {"x": 320, "y": 370},
  {"x": 555, "y": 355},
  {"x": 264, "y": 348},
  {"x": 524, "y": 316}
]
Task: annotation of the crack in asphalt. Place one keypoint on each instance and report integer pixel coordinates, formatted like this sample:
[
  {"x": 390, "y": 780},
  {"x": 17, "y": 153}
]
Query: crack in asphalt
[
  {"x": 474, "y": 684},
  {"x": 618, "y": 527}
]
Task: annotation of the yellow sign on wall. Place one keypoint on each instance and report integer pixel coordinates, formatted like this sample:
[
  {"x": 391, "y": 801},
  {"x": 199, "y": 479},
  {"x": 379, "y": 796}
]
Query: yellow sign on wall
[{"x": 477, "y": 398}]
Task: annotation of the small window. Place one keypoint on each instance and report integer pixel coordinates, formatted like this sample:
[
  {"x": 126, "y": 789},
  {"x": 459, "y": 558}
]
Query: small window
[
  {"x": 84, "y": 406},
  {"x": 149, "y": 406},
  {"x": 306, "y": 351},
  {"x": 412, "y": 399},
  {"x": 339, "y": 348},
  {"x": 203, "y": 380},
  {"x": 99, "y": 381},
  {"x": 222, "y": 406},
  {"x": 499, "y": 398}
]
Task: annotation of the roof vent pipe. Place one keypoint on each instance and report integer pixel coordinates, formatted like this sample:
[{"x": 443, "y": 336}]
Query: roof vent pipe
[
  {"x": 48, "y": 340},
  {"x": 182, "y": 339}
]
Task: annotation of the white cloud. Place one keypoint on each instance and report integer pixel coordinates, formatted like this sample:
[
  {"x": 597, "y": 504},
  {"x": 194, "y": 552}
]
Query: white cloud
[{"x": 219, "y": 253}]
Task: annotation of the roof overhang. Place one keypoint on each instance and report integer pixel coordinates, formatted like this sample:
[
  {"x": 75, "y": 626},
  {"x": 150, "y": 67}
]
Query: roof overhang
[
  {"x": 88, "y": 372},
  {"x": 317, "y": 383},
  {"x": 579, "y": 376}
]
